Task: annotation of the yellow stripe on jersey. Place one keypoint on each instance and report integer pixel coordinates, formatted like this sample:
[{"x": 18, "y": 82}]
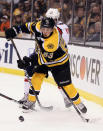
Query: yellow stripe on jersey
[
  {"x": 59, "y": 61},
  {"x": 38, "y": 26},
  {"x": 50, "y": 46},
  {"x": 63, "y": 45},
  {"x": 29, "y": 26}
]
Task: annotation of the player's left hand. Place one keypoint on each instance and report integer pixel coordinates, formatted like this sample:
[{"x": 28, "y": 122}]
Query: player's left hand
[{"x": 22, "y": 64}]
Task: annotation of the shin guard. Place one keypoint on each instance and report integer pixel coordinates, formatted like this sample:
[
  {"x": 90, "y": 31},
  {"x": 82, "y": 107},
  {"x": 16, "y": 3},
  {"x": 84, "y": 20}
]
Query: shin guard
[
  {"x": 36, "y": 81},
  {"x": 72, "y": 93}
]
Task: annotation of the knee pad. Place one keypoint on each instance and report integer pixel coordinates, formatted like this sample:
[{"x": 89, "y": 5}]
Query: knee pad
[{"x": 37, "y": 80}]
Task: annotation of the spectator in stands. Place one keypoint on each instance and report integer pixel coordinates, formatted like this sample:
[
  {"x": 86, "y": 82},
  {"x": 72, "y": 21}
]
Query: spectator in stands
[
  {"x": 55, "y": 3},
  {"x": 91, "y": 30},
  {"x": 80, "y": 15},
  {"x": 27, "y": 6},
  {"x": 96, "y": 35},
  {"x": 93, "y": 2},
  {"x": 5, "y": 23},
  {"x": 4, "y": 3},
  {"x": 69, "y": 22},
  {"x": 17, "y": 17},
  {"x": 21, "y": 7},
  {"x": 38, "y": 11},
  {"x": 65, "y": 12},
  {"x": 94, "y": 14},
  {"x": 44, "y": 7},
  {"x": 4, "y": 11},
  {"x": 77, "y": 32},
  {"x": 25, "y": 18},
  {"x": 79, "y": 23}
]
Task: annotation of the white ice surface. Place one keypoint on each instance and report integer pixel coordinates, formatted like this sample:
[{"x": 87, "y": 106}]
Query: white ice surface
[{"x": 60, "y": 119}]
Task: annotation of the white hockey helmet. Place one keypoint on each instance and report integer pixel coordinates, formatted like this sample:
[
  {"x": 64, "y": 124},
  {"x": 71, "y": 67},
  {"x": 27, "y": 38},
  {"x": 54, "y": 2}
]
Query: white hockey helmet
[{"x": 53, "y": 13}]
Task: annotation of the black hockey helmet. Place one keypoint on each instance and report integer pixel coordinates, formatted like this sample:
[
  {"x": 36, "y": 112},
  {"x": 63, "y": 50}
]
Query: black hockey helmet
[{"x": 47, "y": 22}]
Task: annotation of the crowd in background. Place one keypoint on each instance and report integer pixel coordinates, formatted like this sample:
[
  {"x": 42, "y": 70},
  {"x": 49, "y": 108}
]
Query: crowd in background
[{"x": 74, "y": 13}]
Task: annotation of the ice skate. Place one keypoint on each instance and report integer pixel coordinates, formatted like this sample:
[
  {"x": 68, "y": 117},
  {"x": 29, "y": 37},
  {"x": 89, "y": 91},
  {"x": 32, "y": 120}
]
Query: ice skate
[
  {"x": 82, "y": 107},
  {"x": 28, "y": 106},
  {"x": 24, "y": 99}
]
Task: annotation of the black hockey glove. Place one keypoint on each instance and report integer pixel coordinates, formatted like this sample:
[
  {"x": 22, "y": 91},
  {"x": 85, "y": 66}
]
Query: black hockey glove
[
  {"x": 22, "y": 64},
  {"x": 10, "y": 33},
  {"x": 27, "y": 59}
]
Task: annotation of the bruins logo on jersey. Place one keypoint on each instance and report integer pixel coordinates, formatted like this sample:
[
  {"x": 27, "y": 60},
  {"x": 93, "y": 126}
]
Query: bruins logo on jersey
[{"x": 50, "y": 46}]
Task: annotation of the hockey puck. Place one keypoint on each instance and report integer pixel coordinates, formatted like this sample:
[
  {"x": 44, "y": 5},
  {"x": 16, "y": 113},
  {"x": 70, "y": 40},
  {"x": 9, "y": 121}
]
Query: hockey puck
[
  {"x": 87, "y": 120},
  {"x": 21, "y": 118}
]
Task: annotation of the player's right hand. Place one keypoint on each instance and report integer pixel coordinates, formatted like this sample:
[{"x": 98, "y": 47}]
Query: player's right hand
[
  {"x": 10, "y": 33},
  {"x": 27, "y": 59}
]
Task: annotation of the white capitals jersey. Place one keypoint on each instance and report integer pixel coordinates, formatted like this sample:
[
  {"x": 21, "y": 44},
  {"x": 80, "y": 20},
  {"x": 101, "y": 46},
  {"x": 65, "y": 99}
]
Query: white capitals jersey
[{"x": 65, "y": 31}]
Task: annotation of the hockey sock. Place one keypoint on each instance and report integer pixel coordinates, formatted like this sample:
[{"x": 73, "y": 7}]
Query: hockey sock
[
  {"x": 36, "y": 80},
  {"x": 72, "y": 93}
]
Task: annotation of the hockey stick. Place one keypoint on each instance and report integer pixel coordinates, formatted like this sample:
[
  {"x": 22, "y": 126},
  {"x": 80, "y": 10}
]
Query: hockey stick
[
  {"x": 78, "y": 112},
  {"x": 34, "y": 92},
  {"x": 9, "y": 98}
]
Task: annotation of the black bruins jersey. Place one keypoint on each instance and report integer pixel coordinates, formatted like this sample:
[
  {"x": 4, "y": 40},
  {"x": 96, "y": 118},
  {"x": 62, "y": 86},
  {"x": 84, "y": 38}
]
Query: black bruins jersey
[{"x": 52, "y": 50}]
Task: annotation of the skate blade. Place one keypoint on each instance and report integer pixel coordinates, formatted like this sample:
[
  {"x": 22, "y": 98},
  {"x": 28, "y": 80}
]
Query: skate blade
[{"x": 29, "y": 110}]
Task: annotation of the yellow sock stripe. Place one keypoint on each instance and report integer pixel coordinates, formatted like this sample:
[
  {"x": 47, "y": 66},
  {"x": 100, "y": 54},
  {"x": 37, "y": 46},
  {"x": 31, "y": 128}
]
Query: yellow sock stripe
[
  {"x": 78, "y": 101},
  {"x": 31, "y": 97},
  {"x": 72, "y": 93}
]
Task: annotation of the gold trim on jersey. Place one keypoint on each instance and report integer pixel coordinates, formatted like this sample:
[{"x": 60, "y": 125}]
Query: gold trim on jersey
[
  {"x": 58, "y": 61},
  {"x": 29, "y": 26},
  {"x": 38, "y": 26},
  {"x": 51, "y": 45},
  {"x": 63, "y": 45}
]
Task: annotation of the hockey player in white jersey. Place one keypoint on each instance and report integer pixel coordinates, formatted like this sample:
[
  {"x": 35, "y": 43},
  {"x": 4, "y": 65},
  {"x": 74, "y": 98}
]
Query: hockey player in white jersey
[{"x": 55, "y": 14}]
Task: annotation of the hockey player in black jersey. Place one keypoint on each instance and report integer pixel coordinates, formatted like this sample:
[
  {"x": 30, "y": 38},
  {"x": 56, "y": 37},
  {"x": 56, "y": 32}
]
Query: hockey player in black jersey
[
  {"x": 52, "y": 56},
  {"x": 55, "y": 14}
]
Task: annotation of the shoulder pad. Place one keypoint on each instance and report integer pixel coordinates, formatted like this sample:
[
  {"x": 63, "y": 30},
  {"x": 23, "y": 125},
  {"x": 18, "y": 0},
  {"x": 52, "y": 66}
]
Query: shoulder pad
[{"x": 38, "y": 25}]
